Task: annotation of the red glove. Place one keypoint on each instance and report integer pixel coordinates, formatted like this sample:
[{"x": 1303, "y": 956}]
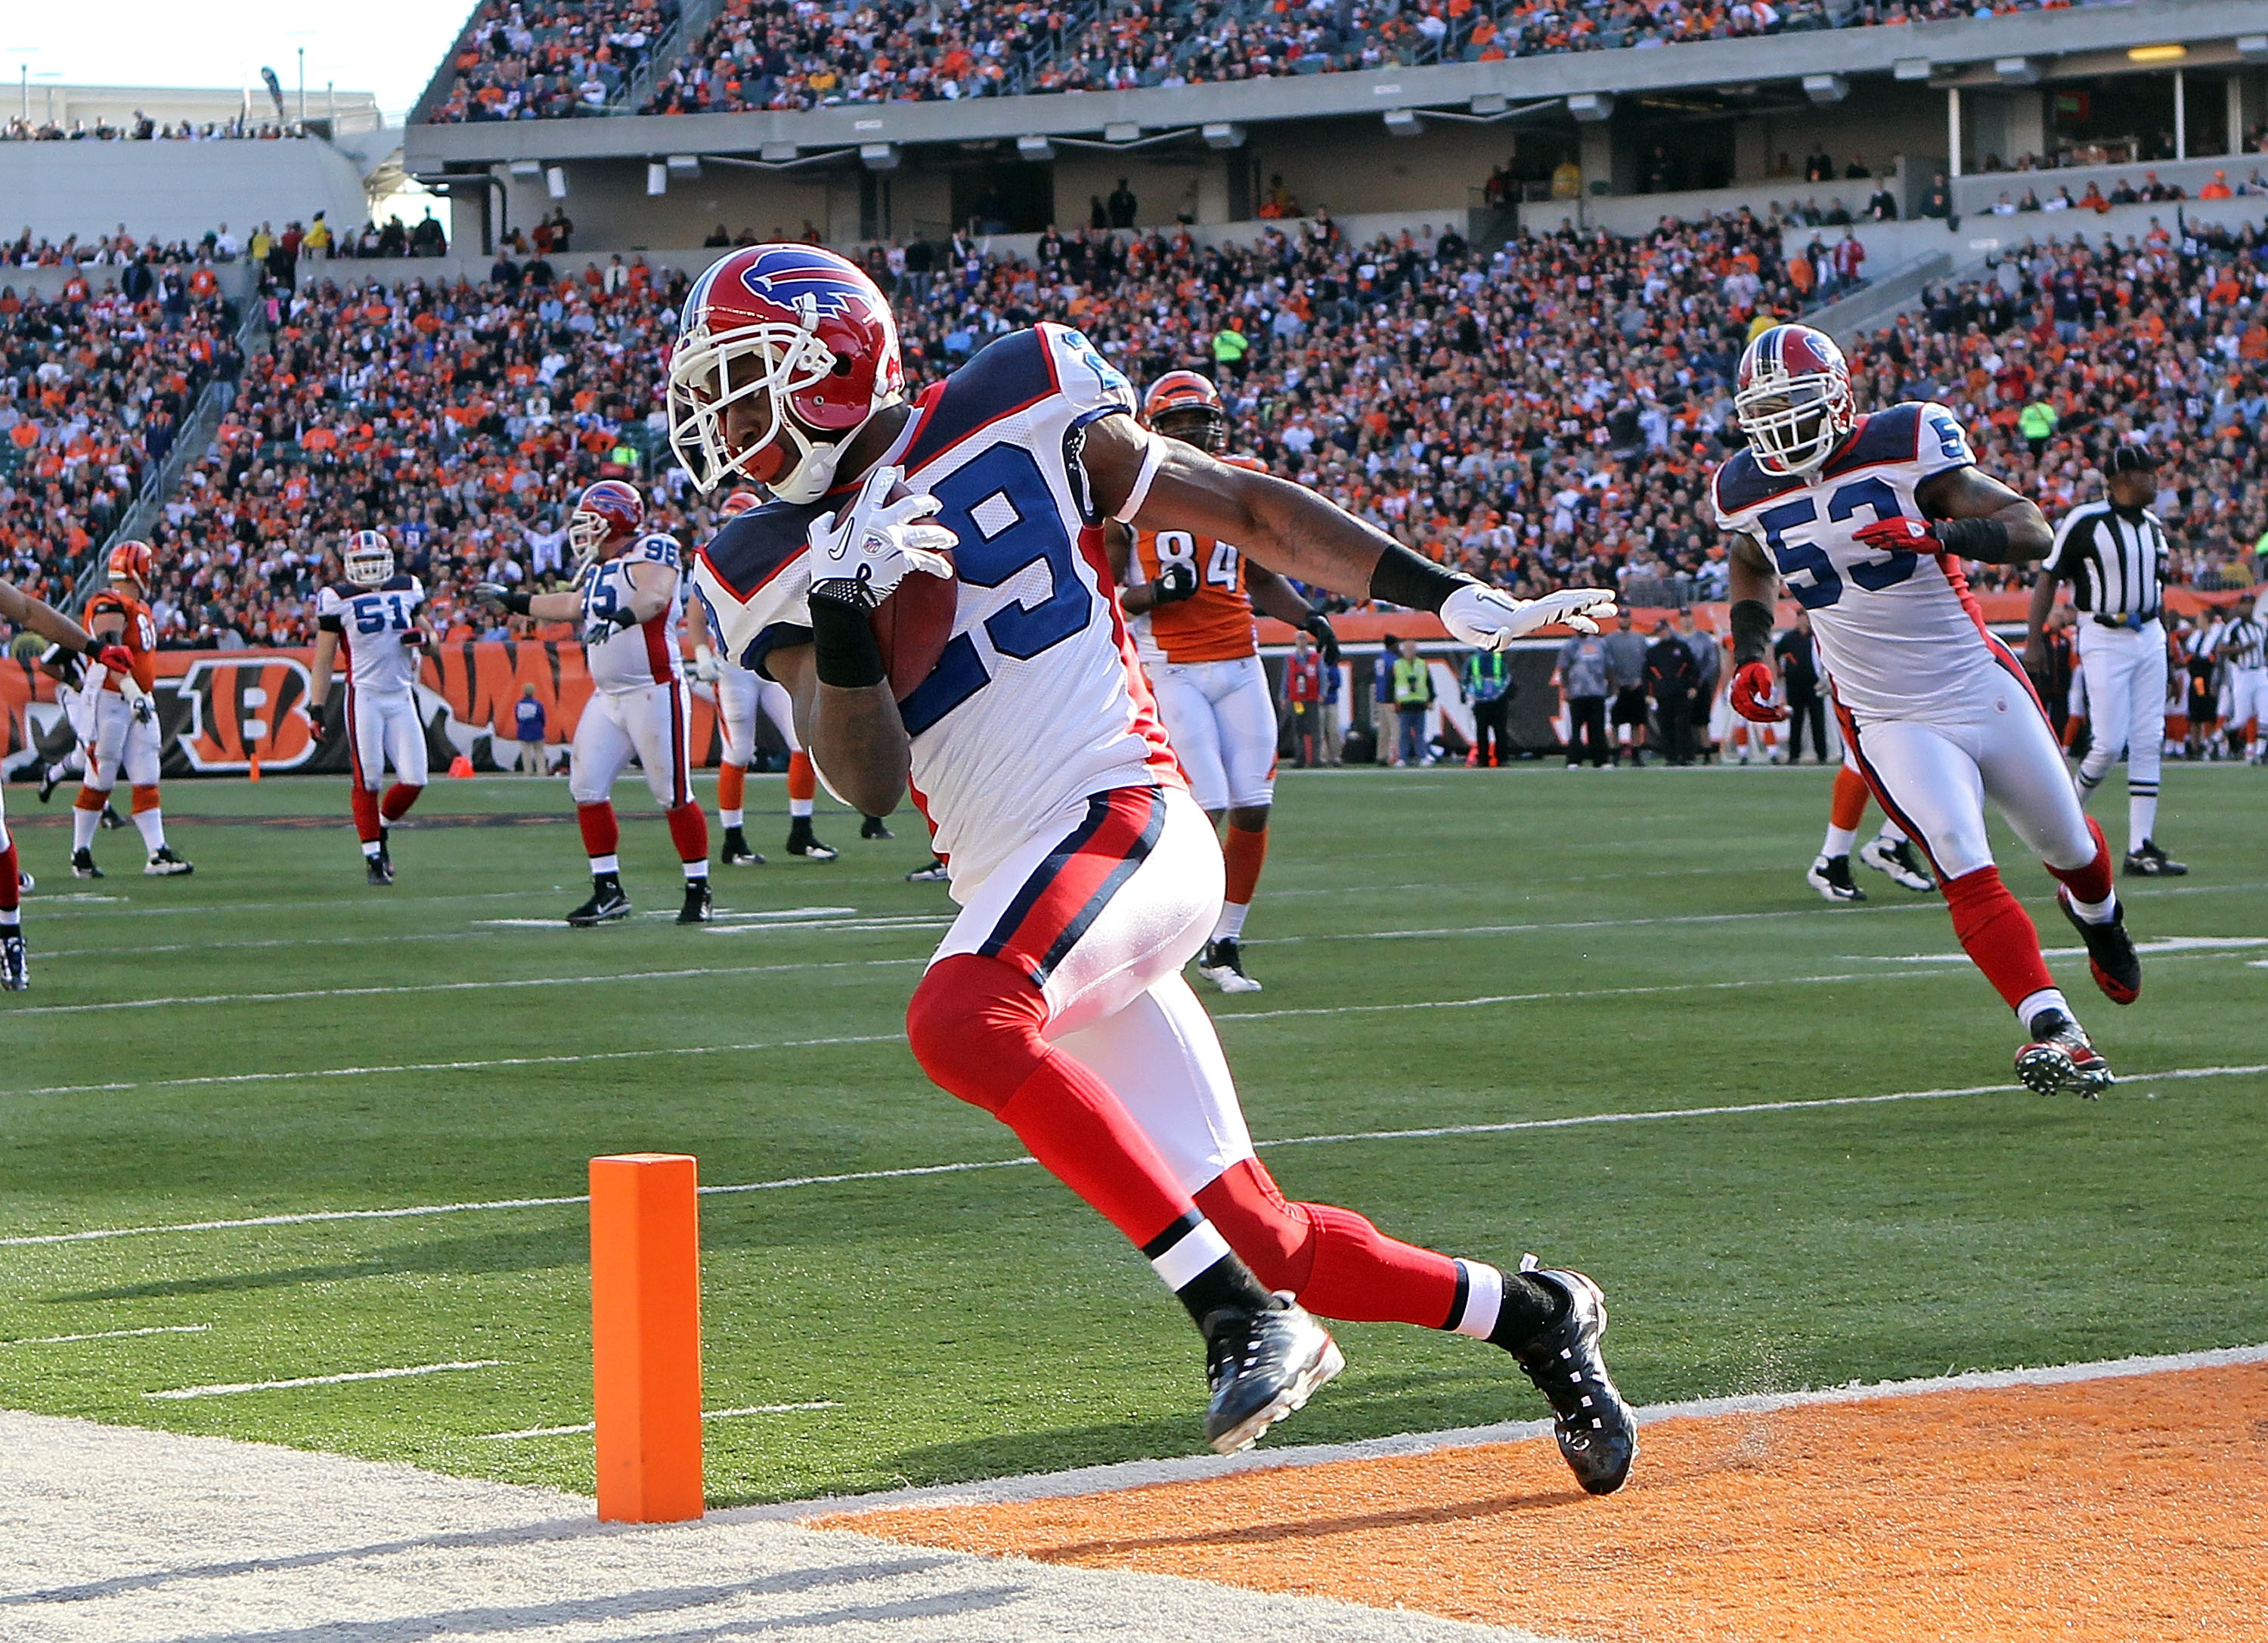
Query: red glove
[
  {"x": 1752, "y": 694},
  {"x": 117, "y": 658},
  {"x": 1898, "y": 534}
]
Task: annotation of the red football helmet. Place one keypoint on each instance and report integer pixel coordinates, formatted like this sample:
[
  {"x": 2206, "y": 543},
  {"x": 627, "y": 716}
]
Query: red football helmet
[
  {"x": 368, "y": 559},
  {"x": 805, "y": 337},
  {"x": 1185, "y": 406},
  {"x": 1793, "y": 399},
  {"x": 606, "y": 515},
  {"x": 130, "y": 562},
  {"x": 739, "y": 503}
]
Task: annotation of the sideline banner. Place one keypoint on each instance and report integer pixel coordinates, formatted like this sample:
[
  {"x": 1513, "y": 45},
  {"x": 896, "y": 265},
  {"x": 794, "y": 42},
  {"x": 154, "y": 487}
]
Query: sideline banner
[{"x": 218, "y": 708}]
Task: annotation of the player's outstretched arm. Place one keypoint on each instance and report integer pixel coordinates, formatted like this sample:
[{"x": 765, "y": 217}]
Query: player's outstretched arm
[
  {"x": 22, "y": 610},
  {"x": 1971, "y": 516},
  {"x": 857, "y": 739}
]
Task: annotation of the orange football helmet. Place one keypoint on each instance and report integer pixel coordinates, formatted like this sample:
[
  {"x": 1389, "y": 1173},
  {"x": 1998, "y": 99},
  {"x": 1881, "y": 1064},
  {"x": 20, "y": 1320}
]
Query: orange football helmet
[
  {"x": 130, "y": 560},
  {"x": 1185, "y": 406},
  {"x": 739, "y": 503}
]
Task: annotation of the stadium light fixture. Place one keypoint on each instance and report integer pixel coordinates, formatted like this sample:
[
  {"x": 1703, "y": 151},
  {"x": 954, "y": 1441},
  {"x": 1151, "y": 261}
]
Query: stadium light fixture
[
  {"x": 2156, "y": 54},
  {"x": 2016, "y": 70},
  {"x": 1222, "y": 135},
  {"x": 1826, "y": 88},
  {"x": 685, "y": 166},
  {"x": 656, "y": 179},
  {"x": 555, "y": 181},
  {"x": 527, "y": 170},
  {"x": 2252, "y": 48},
  {"x": 1034, "y": 149},
  {"x": 778, "y": 153},
  {"x": 1122, "y": 131},
  {"x": 1591, "y": 107},
  {"x": 1910, "y": 69},
  {"x": 1490, "y": 103},
  {"x": 1403, "y": 122},
  {"x": 879, "y": 155}
]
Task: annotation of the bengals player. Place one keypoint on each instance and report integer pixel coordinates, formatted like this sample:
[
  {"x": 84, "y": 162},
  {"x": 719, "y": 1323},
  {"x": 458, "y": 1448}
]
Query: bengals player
[
  {"x": 19, "y": 610},
  {"x": 1192, "y": 599},
  {"x": 124, "y": 717}
]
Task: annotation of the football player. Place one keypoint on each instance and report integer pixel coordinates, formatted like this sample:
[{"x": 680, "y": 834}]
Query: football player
[
  {"x": 626, "y": 597},
  {"x": 19, "y": 610},
  {"x": 1890, "y": 851},
  {"x": 1085, "y": 874},
  {"x": 374, "y": 613},
  {"x": 124, "y": 718},
  {"x": 1866, "y": 518},
  {"x": 2242, "y": 649},
  {"x": 740, "y": 695},
  {"x": 76, "y": 694},
  {"x": 1191, "y": 599}
]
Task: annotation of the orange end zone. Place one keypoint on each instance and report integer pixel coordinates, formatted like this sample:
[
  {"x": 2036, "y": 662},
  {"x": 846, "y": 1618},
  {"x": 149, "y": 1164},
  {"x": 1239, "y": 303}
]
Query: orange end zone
[{"x": 2105, "y": 1511}]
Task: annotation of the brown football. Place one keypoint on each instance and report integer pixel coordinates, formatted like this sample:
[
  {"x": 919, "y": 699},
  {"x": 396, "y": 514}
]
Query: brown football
[{"x": 912, "y": 626}]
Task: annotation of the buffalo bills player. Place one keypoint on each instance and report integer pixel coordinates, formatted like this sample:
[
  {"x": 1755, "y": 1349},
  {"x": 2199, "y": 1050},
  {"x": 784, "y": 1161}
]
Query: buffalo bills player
[
  {"x": 373, "y": 614},
  {"x": 1866, "y": 518},
  {"x": 626, "y": 597},
  {"x": 1087, "y": 876}
]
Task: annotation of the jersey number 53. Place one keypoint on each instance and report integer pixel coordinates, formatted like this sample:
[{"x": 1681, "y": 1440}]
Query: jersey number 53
[{"x": 1810, "y": 572}]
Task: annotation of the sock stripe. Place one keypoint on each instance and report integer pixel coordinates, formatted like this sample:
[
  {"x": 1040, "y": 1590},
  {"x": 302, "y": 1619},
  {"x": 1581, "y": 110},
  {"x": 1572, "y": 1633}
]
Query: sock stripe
[
  {"x": 1182, "y": 1227},
  {"x": 1199, "y": 1251},
  {"x": 1482, "y": 1288}
]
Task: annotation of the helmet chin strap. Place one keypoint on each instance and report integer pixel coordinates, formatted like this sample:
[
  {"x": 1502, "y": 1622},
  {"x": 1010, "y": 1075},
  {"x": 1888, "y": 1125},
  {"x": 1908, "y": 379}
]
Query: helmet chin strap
[{"x": 813, "y": 473}]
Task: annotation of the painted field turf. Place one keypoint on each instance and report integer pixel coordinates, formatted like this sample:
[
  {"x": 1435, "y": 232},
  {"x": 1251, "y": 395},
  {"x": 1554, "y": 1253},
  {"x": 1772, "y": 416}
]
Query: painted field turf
[{"x": 926, "y": 1328}]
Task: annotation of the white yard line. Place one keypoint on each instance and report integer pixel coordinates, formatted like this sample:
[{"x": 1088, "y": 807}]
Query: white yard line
[
  {"x": 1576, "y": 1121},
  {"x": 110, "y": 1335},
  {"x": 231, "y": 1388},
  {"x": 706, "y": 1414}
]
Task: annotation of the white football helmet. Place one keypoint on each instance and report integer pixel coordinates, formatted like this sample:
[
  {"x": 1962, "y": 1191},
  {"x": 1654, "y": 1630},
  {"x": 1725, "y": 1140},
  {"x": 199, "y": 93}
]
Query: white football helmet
[
  {"x": 368, "y": 559},
  {"x": 1793, "y": 399}
]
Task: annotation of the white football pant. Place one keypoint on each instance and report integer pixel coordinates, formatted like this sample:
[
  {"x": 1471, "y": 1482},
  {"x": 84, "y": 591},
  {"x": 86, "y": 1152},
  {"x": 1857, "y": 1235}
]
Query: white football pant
[
  {"x": 384, "y": 729},
  {"x": 1221, "y": 719},
  {"x": 741, "y": 693},
  {"x": 121, "y": 742},
  {"x": 647, "y": 721}
]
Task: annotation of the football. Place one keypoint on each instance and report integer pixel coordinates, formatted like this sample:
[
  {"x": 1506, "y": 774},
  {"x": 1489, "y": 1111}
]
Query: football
[{"x": 912, "y": 626}]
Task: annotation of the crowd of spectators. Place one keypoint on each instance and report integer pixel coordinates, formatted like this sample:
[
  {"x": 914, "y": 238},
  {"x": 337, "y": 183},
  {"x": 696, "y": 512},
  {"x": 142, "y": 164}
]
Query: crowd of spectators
[
  {"x": 93, "y": 388},
  {"x": 143, "y": 129},
  {"x": 395, "y": 238},
  {"x": 551, "y": 59}
]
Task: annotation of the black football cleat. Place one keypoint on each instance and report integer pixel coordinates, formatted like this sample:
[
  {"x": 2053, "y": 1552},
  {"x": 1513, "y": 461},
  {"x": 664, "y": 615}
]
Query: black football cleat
[
  {"x": 1597, "y": 1433},
  {"x": 874, "y": 826},
  {"x": 15, "y": 972},
  {"x": 736, "y": 852},
  {"x": 2061, "y": 1060},
  {"x": 2145, "y": 860},
  {"x": 801, "y": 841},
  {"x": 607, "y": 904},
  {"x": 1263, "y": 1364},
  {"x": 50, "y": 778},
  {"x": 377, "y": 870},
  {"x": 1830, "y": 876},
  {"x": 2110, "y": 955},
  {"x": 936, "y": 873},
  {"x": 111, "y": 819},
  {"x": 697, "y": 903},
  {"x": 1222, "y": 964},
  {"x": 1897, "y": 859},
  {"x": 83, "y": 865},
  {"x": 163, "y": 864}
]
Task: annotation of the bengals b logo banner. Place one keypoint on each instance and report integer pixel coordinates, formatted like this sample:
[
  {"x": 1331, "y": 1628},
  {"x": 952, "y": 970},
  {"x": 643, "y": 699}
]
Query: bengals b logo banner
[{"x": 228, "y": 707}]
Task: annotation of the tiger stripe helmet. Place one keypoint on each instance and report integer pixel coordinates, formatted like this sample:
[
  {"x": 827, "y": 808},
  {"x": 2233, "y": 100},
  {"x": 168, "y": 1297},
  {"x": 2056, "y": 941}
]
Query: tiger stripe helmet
[
  {"x": 1184, "y": 405},
  {"x": 130, "y": 561},
  {"x": 739, "y": 503}
]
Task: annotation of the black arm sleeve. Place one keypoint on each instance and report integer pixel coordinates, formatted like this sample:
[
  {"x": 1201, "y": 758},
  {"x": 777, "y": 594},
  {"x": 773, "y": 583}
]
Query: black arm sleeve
[
  {"x": 1983, "y": 540},
  {"x": 331, "y": 624},
  {"x": 844, "y": 650},
  {"x": 1752, "y": 631},
  {"x": 1402, "y": 578}
]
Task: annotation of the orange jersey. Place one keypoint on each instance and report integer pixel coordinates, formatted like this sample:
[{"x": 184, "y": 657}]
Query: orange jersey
[
  {"x": 140, "y": 636},
  {"x": 1215, "y": 625}
]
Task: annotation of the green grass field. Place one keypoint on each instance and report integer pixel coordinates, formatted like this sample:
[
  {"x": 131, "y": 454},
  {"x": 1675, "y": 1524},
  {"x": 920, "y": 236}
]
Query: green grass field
[{"x": 271, "y": 1037}]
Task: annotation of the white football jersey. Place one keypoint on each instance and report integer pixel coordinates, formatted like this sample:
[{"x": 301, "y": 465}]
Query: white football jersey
[
  {"x": 370, "y": 622},
  {"x": 1038, "y": 701},
  {"x": 632, "y": 658},
  {"x": 1899, "y": 633}
]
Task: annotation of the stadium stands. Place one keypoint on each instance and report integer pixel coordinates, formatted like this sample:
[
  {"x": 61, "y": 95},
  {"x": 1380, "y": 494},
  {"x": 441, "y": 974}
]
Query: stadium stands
[{"x": 549, "y": 59}]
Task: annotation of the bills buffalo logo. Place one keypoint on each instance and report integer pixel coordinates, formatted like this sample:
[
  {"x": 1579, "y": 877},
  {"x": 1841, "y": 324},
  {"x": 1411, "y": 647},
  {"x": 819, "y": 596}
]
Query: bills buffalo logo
[
  {"x": 795, "y": 279},
  {"x": 230, "y": 708}
]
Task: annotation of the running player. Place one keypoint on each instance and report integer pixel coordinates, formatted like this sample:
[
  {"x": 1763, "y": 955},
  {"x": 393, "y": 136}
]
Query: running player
[
  {"x": 1191, "y": 599},
  {"x": 740, "y": 695},
  {"x": 1868, "y": 517},
  {"x": 76, "y": 694},
  {"x": 124, "y": 720},
  {"x": 374, "y": 613},
  {"x": 19, "y": 610},
  {"x": 1087, "y": 877},
  {"x": 626, "y": 597},
  {"x": 1890, "y": 851}
]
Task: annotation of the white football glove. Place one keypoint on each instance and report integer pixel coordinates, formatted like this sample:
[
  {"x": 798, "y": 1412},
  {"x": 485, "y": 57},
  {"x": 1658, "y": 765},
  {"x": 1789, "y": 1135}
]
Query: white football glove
[
  {"x": 1489, "y": 619},
  {"x": 861, "y": 553},
  {"x": 706, "y": 668}
]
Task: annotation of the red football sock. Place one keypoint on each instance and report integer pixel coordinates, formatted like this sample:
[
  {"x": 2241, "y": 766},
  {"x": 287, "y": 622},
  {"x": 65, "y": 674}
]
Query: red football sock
[
  {"x": 731, "y": 786},
  {"x": 367, "y": 825},
  {"x": 399, "y": 797},
  {"x": 1997, "y": 934},
  {"x": 2092, "y": 882},
  {"x": 974, "y": 1024},
  {"x": 12, "y": 880},
  {"x": 1243, "y": 853},
  {"x": 601, "y": 834},
  {"x": 1848, "y": 808},
  {"x": 1336, "y": 1263},
  {"x": 802, "y": 777},
  {"x": 689, "y": 830}
]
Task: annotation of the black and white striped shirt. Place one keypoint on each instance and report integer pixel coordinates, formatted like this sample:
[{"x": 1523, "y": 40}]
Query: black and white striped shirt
[
  {"x": 2114, "y": 560},
  {"x": 2241, "y": 644}
]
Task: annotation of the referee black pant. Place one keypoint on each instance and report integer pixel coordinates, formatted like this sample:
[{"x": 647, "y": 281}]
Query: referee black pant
[
  {"x": 1801, "y": 710},
  {"x": 1586, "y": 720}
]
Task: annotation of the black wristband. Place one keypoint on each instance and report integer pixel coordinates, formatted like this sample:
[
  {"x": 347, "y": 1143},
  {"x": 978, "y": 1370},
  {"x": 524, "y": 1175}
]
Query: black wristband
[
  {"x": 1987, "y": 540},
  {"x": 1752, "y": 631},
  {"x": 516, "y": 601},
  {"x": 1404, "y": 577},
  {"x": 843, "y": 646},
  {"x": 95, "y": 647}
]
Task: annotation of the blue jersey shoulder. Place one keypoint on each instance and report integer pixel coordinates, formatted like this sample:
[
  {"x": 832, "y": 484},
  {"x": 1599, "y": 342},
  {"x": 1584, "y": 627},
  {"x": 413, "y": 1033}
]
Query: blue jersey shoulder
[
  {"x": 752, "y": 547},
  {"x": 1743, "y": 484},
  {"x": 1005, "y": 377},
  {"x": 1882, "y": 437}
]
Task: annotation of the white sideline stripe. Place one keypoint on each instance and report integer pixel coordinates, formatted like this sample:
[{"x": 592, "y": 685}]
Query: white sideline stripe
[
  {"x": 209, "y": 909},
  {"x": 457, "y": 1066},
  {"x": 706, "y": 1414},
  {"x": 230, "y": 1389},
  {"x": 452, "y": 986},
  {"x": 109, "y": 1334},
  {"x": 1088, "y": 1480},
  {"x": 1579, "y": 1121}
]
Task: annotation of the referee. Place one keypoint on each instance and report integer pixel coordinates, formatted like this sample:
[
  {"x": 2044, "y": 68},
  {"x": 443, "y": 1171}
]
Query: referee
[{"x": 2113, "y": 554}]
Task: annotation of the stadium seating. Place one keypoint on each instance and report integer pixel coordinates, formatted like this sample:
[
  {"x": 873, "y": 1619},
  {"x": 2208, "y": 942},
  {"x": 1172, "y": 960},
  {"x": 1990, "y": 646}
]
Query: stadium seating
[{"x": 551, "y": 59}]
